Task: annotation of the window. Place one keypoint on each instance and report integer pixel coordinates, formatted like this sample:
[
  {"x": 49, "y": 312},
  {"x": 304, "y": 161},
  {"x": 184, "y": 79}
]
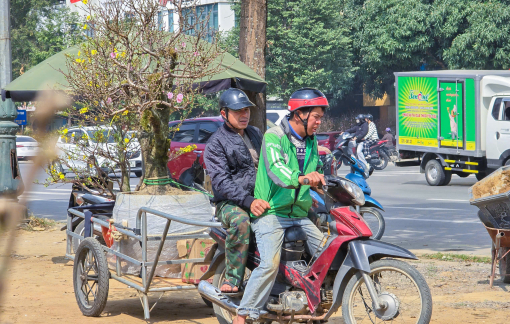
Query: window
[
  {"x": 185, "y": 134},
  {"x": 506, "y": 114},
  {"x": 205, "y": 131},
  {"x": 496, "y": 108},
  {"x": 322, "y": 137},
  {"x": 171, "y": 21},
  {"x": 272, "y": 117},
  {"x": 205, "y": 18},
  {"x": 160, "y": 21},
  {"x": 25, "y": 139}
]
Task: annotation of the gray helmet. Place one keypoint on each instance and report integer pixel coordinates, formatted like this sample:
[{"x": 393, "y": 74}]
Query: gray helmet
[
  {"x": 360, "y": 119},
  {"x": 369, "y": 117},
  {"x": 235, "y": 99}
]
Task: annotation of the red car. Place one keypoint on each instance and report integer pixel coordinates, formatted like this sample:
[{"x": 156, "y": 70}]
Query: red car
[
  {"x": 327, "y": 139},
  {"x": 197, "y": 131}
]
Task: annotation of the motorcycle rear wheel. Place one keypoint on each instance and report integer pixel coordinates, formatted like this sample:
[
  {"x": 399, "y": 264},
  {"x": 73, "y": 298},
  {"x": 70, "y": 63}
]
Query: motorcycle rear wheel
[
  {"x": 399, "y": 284},
  {"x": 383, "y": 161},
  {"x": 375, "y": 221}
]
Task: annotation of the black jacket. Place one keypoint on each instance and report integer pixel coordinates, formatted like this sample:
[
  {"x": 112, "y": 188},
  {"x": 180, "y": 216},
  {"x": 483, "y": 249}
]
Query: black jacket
[
  {"x": 359, "y": 131},
  {"x": 230, "y": 165}
]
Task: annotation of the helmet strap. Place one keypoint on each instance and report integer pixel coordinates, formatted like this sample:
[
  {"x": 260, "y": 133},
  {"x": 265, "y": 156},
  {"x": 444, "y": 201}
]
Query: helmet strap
[{"x": 305, "y": 122}]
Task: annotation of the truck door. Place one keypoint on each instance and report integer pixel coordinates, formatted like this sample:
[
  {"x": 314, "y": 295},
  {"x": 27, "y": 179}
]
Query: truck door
[
  {"x": 498, "y": 128},
  {"x": 451, "y": 100}
]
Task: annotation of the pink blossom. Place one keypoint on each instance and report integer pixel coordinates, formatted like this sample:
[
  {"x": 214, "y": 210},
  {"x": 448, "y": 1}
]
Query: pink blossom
[
  {"x": 170, "y": 95},
  {"x": 195, "y": 53},
  {"x": 109, "y": 100},
  {"x": 112, "y": 55},
  {"x": 183, "y": 44},
  {"x": 179, "y": 97}
]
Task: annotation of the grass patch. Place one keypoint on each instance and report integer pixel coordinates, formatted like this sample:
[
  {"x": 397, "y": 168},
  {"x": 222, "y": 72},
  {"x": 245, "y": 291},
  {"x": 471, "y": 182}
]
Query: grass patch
[
  {"x": 38, "y": 224},
  {"x": 456, "y": 257}
]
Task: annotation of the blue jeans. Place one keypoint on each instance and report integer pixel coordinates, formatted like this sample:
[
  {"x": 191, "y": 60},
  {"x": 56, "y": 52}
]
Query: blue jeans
[{"x": 269, "y": 231}]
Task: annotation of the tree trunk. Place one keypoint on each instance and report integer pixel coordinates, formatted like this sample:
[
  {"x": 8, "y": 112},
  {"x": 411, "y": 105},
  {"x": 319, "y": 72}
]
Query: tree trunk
[
  {"x": 125, "y": 178},
  {"x": 155, "y": 144},
  {"x": 252, "y": 45}
]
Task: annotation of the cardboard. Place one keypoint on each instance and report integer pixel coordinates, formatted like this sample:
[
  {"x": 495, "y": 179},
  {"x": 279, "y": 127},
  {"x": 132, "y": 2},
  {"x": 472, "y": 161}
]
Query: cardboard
[{"x": 194, "y": 249}]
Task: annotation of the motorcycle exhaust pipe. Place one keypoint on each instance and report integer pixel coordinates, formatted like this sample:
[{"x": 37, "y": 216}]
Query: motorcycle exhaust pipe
[{"x": 213, "y": 294}]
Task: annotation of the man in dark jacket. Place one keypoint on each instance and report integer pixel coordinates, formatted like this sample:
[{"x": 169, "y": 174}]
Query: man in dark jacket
[{"x": 231, "y": 157}]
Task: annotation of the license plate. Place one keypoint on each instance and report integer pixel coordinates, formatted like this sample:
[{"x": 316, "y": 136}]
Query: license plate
[{"x": 132, "y": 164}]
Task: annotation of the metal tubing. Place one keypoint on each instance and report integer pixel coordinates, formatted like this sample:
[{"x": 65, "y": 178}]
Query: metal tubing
[
  {"x": 144, "y": 248},
  {"x": 149, "y": 264},
  {"x": 127, "y": 282},
  {"x": 371, "y": 290},
  {"x": 146, "y": 308},
  {"x": 69, "y": 238},
  {"x": 173, "y": 218},
  {"x": 175, "y": 288},
  {"x": 156, "y": 259}
]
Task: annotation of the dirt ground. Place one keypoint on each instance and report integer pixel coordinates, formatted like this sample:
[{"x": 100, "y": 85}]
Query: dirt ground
[{"x": 39, "y": 290}]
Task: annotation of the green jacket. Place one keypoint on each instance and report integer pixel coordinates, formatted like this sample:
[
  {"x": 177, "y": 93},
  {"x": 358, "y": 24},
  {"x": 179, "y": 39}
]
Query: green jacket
[{"x": 278, "y": 172}]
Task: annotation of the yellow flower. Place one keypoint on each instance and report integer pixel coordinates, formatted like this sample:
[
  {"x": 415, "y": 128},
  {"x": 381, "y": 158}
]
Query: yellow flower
[
  {"x": 126, "y": 140},
  {"x": 83, "y": 110},
  {"x": 88, "y": 17},
  {"x": 85, "y": 26},
  {"x": 84, "y": 2},
  {"x": 106, "y": 83},
  {"x": 64, "y": 131},
  {"x": 79, "y": 52},
  {"x": 125, "y": 113},
  {"x": 95, "y": 118},
  {"x": 62, "y": 176},
  {"x": 78, "y": 61},
  {"x": 123, "y": 54},
  {"x": 93, "y": 52}
]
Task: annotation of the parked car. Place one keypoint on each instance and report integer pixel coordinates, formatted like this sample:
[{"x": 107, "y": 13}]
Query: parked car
[
  {"x": 328, "y": 139},
  {"x": 68, "y": 143},
  {"x": 276, "y": 115},
  {"x": 198, "y": 131},
  {"x": 26, "y": 147}
]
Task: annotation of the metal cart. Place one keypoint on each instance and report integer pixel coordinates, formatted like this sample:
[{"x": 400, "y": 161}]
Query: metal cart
[{"x": 91, "y": 273}]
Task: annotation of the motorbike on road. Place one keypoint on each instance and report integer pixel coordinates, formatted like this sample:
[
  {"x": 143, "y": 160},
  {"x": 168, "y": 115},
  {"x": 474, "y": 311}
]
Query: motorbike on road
[
  {"x": 378, "y": 152},
  {"x": 349, "y": 270}
]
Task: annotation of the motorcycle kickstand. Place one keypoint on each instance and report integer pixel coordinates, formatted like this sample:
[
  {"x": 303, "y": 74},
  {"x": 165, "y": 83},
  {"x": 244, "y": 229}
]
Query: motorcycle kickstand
[{"x": 376, "y": 303}]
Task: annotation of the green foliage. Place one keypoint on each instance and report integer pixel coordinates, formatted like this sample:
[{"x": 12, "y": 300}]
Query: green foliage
[
  {"x": 307, "y": 45},
  {"x": 456, "y": 257},
  {"x": 394, "y": 35},
  {"x": 39, "y": 29}
]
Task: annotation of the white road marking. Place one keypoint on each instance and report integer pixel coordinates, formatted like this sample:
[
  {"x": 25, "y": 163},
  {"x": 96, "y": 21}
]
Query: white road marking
[
  {"x": 423, "y": 208},
  {"x": 474, "y": 221},
  {"x": 452, "y": 200}
]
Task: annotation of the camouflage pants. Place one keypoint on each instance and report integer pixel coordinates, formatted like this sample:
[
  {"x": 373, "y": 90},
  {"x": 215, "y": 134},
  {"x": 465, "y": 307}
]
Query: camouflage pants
[{"x": 237, "y": 222}]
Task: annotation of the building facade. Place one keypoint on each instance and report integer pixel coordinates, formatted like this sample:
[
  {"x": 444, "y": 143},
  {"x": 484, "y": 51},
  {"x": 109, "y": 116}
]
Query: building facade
[{"x": 216, "y": 15}]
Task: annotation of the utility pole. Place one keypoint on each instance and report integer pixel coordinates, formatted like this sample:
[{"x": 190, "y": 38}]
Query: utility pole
[{"x": 11, "y": 184}]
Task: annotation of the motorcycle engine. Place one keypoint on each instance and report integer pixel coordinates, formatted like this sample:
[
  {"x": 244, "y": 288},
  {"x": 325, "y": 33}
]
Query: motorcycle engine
[{"x": 290, "y": 301}]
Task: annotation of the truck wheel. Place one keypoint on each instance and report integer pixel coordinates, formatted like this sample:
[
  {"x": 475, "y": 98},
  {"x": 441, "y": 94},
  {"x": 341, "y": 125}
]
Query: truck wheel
[
  {"x": 434, "y": 173},
  {"x": 447, "y": 178}
]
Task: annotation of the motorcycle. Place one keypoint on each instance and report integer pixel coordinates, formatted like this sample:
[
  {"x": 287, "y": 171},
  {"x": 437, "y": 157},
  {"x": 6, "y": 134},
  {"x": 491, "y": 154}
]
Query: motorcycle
[
  {"x": 369, "y": 211},
  {"x": 349, "y": 270},
  {"x": 378, "y": 152}
]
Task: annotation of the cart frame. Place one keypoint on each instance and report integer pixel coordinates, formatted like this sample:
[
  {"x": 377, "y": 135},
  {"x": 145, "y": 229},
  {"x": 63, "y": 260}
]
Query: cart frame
[
  {"x": 140, "y": 234},
  {"x": 500, "y": 238}
]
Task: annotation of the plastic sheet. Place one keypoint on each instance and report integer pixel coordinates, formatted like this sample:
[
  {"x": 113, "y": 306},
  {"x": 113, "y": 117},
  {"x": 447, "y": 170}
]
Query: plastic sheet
[{"x": 192, "y": 207}]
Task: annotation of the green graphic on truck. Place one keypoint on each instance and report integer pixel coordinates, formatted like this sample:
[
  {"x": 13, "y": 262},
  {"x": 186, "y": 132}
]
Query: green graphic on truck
[
  {"x": 417, "y": 111},
  {"x": 452, "y": 114}
]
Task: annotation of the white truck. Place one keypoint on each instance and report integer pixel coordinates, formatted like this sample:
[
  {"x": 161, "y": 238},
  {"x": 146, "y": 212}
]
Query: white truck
[{"x": 453, "y": 122}]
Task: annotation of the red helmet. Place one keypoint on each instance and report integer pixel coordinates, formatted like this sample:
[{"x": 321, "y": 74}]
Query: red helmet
[{"x": 307, "y": 97}]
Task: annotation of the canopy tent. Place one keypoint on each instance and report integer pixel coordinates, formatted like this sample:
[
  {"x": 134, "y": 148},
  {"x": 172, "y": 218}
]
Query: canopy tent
[{"x": 49, "y": 74}]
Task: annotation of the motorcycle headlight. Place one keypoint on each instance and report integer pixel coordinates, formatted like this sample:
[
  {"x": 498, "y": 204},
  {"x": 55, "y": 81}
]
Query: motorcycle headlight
[{"x": 358, "y": 197}]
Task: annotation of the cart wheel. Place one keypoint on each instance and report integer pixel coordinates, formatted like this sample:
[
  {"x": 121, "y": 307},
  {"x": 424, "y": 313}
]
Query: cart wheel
[
  {"x": 90, "y": 277},
  {"x": 504, "y": 265}
]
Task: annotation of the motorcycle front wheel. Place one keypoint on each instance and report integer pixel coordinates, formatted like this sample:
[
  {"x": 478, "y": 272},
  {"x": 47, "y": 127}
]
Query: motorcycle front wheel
[
  {"x": 375, "y": 221},
  {"x": 399, "y": 285}
]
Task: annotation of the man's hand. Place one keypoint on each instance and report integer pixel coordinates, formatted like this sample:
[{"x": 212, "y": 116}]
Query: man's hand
[
  {"x": 315, "y": 203},
  {"x": 258, "y": 207},
  {"x": 313, "y": 179}
]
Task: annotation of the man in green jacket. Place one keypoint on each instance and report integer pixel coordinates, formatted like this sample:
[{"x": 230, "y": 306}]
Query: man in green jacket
[{"x": 288, "y": 166}]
